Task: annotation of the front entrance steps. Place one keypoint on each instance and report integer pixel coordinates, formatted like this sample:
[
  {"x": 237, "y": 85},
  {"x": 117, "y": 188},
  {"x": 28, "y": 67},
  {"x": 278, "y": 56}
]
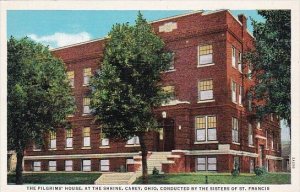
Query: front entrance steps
[
  {"x": 113, "y": 178},
  {"x": 154, "y": 159}
]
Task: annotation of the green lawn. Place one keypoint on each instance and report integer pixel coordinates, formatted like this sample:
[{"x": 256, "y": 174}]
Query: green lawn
[
  {"x": 218, "y": 178},
  {"x": 56, "y": 178}
]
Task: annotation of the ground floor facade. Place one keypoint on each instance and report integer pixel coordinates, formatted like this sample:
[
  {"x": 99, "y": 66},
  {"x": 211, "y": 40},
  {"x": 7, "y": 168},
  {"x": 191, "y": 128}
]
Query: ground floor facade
[{"x": 191, "y": 139}]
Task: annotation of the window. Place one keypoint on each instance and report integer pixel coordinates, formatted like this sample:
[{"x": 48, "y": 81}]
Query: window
[
  {"x": 236, "y": 163},
  {"x": 86, "y": 137},
  {"x": 103, "y": 139},
  {"x": 206, "y": 128},
  {"x": 133, "y": 141},
  {"x": 52, "y": 143},
  {"x": 70, "y": 75},
  {"x": 205, "y": 53},
  {"x": 272, "y": 117},
  {"x": 206, "y": 164},
  {"x": 87, "y": 73},
  {"x": 37, "y": 146},
  {"x": 36, "y": 166},
  {"x": 240, "y": 95},
  {"x": 251, "y": 165},
  {"x": 68, "y": 165},
  {"x": 258, "y": 124},
  {"x": 233, "y": 91},
  {"x": 104, "y": 165},
  {"x": 86, "y": 105},
  {"x": 235, "y": 130},
  {"x": 250, "y": 134},
  {"x": 86, "y": 165},
  {"x": 172, "y": 62},
  {"x": 129, "y": 161},
  {"x": 52, "y": 165},
  {"x": 267, "y": 146},
  {"x": 250, "y": 103},
  {"x": 240, "y": 62},
  {"x": 272, "y": 141},
  {"x": 69, "y": 138},
  {"x": 170, "y": 90},
  {"x": 250, "y": 71},
  {"x": 205, "y": 90},
  {"x": 233, "y": 57}
]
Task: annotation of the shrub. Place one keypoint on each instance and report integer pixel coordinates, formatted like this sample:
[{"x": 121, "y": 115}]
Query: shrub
[
  {"x": 155, "y": 171},
  {"x": 260, "y": 171},
  {"x": 235, "y": 172}
]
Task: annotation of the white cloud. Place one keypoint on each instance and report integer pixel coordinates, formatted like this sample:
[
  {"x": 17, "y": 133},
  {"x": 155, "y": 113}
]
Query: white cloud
[{"x": 61, "y": 39}]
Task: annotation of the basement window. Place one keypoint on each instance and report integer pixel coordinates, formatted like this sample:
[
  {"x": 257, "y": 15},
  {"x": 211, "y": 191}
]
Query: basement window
[
  {"x": 104, "y": 165},
  {"x": 206, "y": 163},
  {"x": 36, "y": 166}
]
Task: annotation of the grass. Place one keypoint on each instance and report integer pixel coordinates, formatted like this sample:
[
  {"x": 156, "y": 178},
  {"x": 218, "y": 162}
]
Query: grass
[
  {"x": 218, "y": 178},
  {"x": 56, "y": 178}
]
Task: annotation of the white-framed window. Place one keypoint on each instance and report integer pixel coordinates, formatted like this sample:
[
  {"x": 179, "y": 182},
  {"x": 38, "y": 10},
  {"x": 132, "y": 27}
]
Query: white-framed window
[
  {"x": 267, "y": 144},
  {"x": 86, "y": 165},
  {"x": 70, "y": 75},
  {"x": 250, "y": 71},
  {"x": 206, "y": 128},
  {"x": 205, "y": 90},
  {"x": 104, "y": 165},
  {"x": 240, "y": 95},
  {"x": 206, "y": 163},
  {"x": 36, "y": 146},
  {"x": 133, "y": 141},
  {"x": 52, "y": 140},
  {"x": 170, "y": 90},
  {"x": 233, "y": 91},
  {"x": 240, "y": 62},
  {"x": 52, "y": 165},
  {"x": 86, "y": 105},
  {"x": 233, "y": 57},
  {"x": 36, "y": 166},
  {"x": 129, "y": 161},
  {"x": 272, "y": 141},
  {"x": 172, "y": 63},
  {"x": 69, "y": 138},
  {"x": 205, "y": 54},
  {"x": 258, "y": 125},
  {"x": 250, "y": 134},
  {"x": 86, "y": 136},
  {"x": 87, "y": 73},
  {"x": 68, "y": 165},
  {"x": 235, "y": 130},
  {"x": 104, "y": 141}
]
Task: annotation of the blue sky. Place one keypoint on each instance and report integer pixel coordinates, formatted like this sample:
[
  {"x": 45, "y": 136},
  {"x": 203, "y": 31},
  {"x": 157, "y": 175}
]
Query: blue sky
[{"x": 61, "y": 28}]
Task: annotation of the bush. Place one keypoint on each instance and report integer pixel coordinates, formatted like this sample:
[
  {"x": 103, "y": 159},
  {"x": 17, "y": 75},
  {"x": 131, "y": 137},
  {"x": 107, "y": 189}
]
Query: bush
[
  {"x": 155, "y": 171},
  {"x": 235, "y": 172},
  {"x": 260, "y": 171}
]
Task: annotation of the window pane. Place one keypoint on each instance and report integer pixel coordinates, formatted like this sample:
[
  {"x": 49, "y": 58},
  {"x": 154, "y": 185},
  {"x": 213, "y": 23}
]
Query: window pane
[
  {"x": 211, "y": 167},
  {"x": 69, "y": 163},
  {"x": 200, "y": 123},
  {"x": 86, "y": 131},
  {"x": 130, "y": 141},
  {"x": 86, "y": 168},
  {"x": 211, "y": 121},
  {"x": 104, "y": 168},
  {"x": 205, "y": 95},
  {"x": 86, "y": 141},
  {"x": 86, "y": 110},
  {"x": 201, "y": 168},
  {"x": 105, "y": 141},
  {"x": 53, "y": 144},
  {"x": 201, "y": 160},
  {"x": 69, "y": 142},
  {"x": 105, "y": 162},
  {"x": 205, "y": 59},
  {"x": 86, "y": 162},
  {"x": 211, "y": 160},
  {"x": 200, "y": 134},
  {"x": 137, "y": 140},
  {"x": 36, "y": 163},
  {"x": 212, "y": 134}
]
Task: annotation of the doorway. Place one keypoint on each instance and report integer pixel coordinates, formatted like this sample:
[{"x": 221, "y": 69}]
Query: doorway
[{"x": 166, "y": 135}]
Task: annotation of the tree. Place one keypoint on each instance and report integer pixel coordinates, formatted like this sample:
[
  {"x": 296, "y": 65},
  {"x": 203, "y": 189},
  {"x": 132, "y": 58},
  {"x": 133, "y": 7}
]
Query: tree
[
  {"x": 39, "y": 95},
  {"x": 272, "y": 63},
  {"x": 127, "y": 89}
]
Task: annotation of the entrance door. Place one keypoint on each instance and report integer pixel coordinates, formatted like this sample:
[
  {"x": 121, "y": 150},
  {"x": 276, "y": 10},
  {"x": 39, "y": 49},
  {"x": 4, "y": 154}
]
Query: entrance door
[{"x": 166, "y": 136}]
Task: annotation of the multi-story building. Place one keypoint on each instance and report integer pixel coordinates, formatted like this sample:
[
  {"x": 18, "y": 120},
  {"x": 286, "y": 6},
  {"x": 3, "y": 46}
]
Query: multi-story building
[{"x": 208, "y": 124}]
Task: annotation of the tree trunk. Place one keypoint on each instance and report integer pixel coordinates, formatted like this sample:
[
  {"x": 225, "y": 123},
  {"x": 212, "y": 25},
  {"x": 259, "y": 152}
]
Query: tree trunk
[
  {"x": 19, "y": 168},
  {"x": 144, "y": 158}
]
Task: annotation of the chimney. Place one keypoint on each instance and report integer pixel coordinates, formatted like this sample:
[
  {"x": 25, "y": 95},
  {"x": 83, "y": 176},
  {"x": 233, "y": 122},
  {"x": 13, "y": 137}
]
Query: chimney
[{"x": 243, "y": 20}]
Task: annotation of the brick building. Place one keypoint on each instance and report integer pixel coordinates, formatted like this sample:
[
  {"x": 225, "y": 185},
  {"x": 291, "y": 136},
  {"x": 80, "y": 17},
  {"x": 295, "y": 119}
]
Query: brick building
[{"x": 208, "y": 125}]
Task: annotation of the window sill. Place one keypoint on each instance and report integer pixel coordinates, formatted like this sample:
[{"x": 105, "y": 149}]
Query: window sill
[
  {"x": 206, "y": 101},
  {"x": 36, "y": 150},
  {"x": 86, "y": 85},
  {"x": 85, "y": 147},
  {"x": 252, "y": 146},
  {"x": 205, "y": 142},
  {"x": 86, "y": 114},
  {"x": 68, "y": 148},
  {"x": 132, "y": 145},
  {"x": 52, "y": 149},
  {"x": 104, "y": 147},
  {"x": 171, "y": 70},
  {"x": 234, "y": 102},
  {"x": 236, "y": 143},
  {"x": 205, "y": 65}
]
